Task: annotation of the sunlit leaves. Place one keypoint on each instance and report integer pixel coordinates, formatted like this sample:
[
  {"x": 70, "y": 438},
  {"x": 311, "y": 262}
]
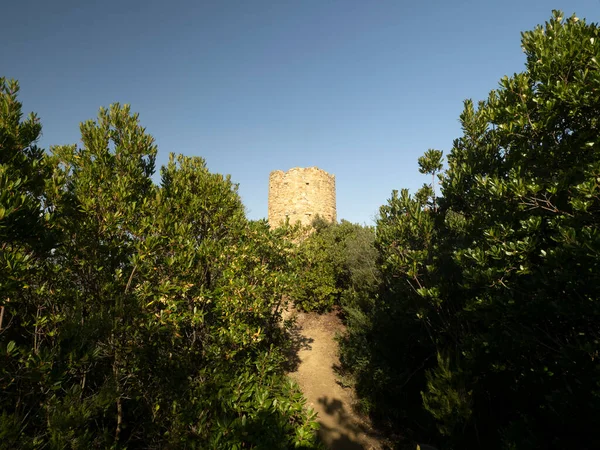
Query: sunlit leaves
[{"x": 154, "y": 319}]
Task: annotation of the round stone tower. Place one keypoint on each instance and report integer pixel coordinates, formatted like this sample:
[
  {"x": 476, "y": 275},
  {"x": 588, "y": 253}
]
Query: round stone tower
[{"x": 300, "y": 195}]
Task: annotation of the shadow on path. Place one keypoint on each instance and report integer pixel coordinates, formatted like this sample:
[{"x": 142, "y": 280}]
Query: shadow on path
[
  {"x": 346, "y": 432},
  {"x": 313, "y": 353},
  {"x": 297, "y": 342}
]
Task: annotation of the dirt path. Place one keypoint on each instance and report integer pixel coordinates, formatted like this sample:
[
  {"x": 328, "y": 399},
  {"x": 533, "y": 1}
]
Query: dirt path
[{"x": 341, "y": 428}]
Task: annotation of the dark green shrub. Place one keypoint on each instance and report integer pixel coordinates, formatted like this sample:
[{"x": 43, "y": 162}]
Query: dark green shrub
[
  {"x": 488, "y": 308},
  {"x": 332, "y": 262}
]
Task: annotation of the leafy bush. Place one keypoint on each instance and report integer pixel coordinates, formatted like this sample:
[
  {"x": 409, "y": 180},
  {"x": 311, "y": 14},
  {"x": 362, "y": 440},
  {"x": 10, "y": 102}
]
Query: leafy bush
[
  {"x": 489, "y": 298},
  {"x": 335, "y": 261},
  {"x": 135, "y": 315}
]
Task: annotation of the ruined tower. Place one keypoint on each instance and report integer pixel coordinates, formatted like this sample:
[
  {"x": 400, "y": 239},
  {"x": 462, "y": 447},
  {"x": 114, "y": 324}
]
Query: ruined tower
[{"x": 301, "y": 194}]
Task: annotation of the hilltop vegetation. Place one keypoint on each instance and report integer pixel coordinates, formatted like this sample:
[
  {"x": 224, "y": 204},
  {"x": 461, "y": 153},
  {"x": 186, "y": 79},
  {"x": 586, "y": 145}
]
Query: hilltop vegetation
[
  {"x": 136, "y": 315},
  {"x": 486, "y": 325}
]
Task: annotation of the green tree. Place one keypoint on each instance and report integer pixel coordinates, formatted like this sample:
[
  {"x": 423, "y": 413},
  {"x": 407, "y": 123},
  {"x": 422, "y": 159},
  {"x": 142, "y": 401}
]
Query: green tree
[
  {"x": 529, "y": 263},
  {"x": 430, "y": 163},
  {"x": 388, "y": 344},
  {"x": 333, "y": 262},
  {"x": 26, "y": 239},
  {"x": 152, "y": 319},
  {"x": 494, "y": 293}
]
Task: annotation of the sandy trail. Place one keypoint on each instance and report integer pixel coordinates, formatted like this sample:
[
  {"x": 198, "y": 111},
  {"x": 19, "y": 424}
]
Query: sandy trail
[{"x": 313, "y": 370}]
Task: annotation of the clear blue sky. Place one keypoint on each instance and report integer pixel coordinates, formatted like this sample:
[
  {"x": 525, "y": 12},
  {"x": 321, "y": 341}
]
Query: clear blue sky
[{"x": 358, "y": 88}]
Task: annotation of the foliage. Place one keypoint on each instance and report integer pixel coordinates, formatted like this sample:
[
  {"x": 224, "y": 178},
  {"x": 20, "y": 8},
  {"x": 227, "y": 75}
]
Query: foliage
[
  {"x": 139, "y": 316},
  {"x": 333, "y": 262},
  {"x": 25, "y": 242},
  {"x": 489, "y": 296},
  {"x": 386, "y": 346},
  {"x": 430, "y": 163}
]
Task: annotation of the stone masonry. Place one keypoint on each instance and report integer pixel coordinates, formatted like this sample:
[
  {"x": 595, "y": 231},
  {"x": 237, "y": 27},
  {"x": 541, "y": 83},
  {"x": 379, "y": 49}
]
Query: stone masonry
[{"x": 300, "y": 194}]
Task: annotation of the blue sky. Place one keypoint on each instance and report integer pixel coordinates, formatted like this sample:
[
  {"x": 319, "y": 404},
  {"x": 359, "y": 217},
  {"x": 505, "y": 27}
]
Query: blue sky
[{"x": 358, "y": 88}]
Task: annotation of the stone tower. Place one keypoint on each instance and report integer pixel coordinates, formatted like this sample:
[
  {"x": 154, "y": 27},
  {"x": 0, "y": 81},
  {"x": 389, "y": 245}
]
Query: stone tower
[{"x": 300, "y": 195}]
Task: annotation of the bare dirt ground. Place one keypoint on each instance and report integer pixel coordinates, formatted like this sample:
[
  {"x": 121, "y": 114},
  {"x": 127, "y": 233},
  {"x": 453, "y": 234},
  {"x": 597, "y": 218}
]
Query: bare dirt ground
[{"x": 313, "y": 369}]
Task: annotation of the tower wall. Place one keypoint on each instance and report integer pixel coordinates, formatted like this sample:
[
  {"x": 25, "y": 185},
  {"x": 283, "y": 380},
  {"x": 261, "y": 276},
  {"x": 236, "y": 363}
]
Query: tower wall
[{"x": 300, "y": 194}]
